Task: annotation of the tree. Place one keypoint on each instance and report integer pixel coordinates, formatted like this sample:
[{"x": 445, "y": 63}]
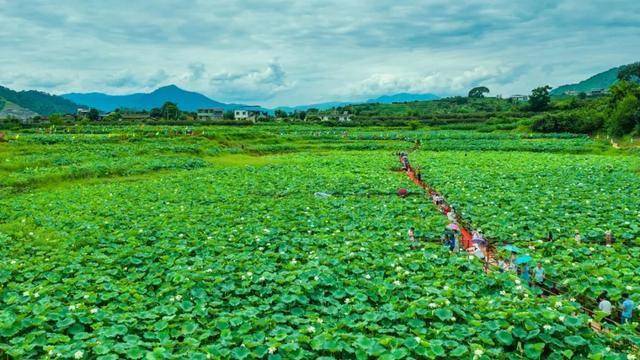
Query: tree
[
  {"x": 155, "y": 113},
  {"x": 280, "y": 114},
  {"x": 93, "y": 115},
  {"x": 540, "y": 98},
  {"x": 625, "y": 117},
  {"x": 628, "y": 72},
  {"x": 170, "y": 111},
  {"x": 478, "y": 92},
  {"x": 228, "y": 115},
  {"x": 56, "y": 119}
]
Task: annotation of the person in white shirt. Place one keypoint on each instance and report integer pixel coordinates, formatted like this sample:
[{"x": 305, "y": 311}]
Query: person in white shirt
[
  {"x": 578, "y": 237},
  {"x": 451, "y": 215},
  {"x": 605, "y": 306}
]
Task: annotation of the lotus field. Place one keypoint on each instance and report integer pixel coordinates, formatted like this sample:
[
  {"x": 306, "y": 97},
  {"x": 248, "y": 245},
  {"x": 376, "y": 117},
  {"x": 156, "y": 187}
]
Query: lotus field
[{"x": 290, "y": 242}]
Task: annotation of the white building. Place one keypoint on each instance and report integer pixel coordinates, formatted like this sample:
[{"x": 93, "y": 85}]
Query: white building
[
  {"x": 210, "y": 114},
  {"x": 519, "y": 97},
  {"x": 252, "y": 115}
]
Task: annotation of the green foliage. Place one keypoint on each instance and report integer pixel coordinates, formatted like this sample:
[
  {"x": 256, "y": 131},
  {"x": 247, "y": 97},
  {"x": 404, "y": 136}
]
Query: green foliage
[
  {"x": 584, "y": 121},
  {"x": 624, "y": 107},
  {"x": 94, "y": 115},
  {"x": 629, "y": 72},
  {"x": 39, "y": 102},
  {"x": 186, "y": 244},
  {"x": 625, "y": 116},
  {"x": 169, "y": 111},
  {"x": 478, "y": 92},
  {"x": 540, "y": 98}
]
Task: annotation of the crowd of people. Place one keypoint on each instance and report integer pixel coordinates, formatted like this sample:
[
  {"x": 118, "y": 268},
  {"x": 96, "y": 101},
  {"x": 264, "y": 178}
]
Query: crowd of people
[{"x": 452, "y": 238}]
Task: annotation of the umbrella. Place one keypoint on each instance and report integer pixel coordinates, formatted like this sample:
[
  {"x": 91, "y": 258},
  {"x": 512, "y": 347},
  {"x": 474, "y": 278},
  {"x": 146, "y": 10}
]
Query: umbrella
[
  {"x": 453, "y": 227},
  {"x": 511, "y": 248},
  {"x": 479, "y": 241},
  {"x": 523, "y": 259}
]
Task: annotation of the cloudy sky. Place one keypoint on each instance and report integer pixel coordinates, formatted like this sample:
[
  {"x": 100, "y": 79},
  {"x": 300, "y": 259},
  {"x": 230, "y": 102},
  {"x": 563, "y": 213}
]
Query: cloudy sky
[{"x": 274, "y": 52}]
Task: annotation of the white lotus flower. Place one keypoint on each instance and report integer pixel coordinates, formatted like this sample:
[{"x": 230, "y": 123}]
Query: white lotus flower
[
  {"x": 178, "y": 297},
  {"x": 72, "y": 307},
  {"x": 78, "y": 354},
  {"x": 261, "y": 279},
  {"x": 272, "y": 350},
  {"x": 367, "y": 276},
  {"x": 558, "y": 304},
  {"x": 519, "y": 288},
  {"x": 316, "y": 278},
  {"x": 319, "y": 320},
  {"x": 36, "y": 295},
  {"x": 94, "y": 310},
  {"x": 294, "y": 261},
  {"x": 25, "y": 293},
  {"x": 447, "y": 302},
  {"x": 561, "y": 318},
  {"x": 629, "y": 287},
  {"x": 209, "y": 270},
  {"x": 631, "y": 357},
  {"x": 478, "y": 352},
  {"x": 417, "y": 339},
  {"x": 453, "y": 319},
  {"x": 600, "y": 278},
  {"x": 433, "y": 305},
  {"x": 547, "y": 327},
  {"x": 445, "y": 287},
  {"x": 396, "y": 282},
  {"x": 347, "y": 300},
  {"x": 13, "y": 262},
  {"x": 518, "y": 281},
  {"x": 503, "y": 293},
  {"x": 311, "y": 329},
  {"x": 572, "y": 299}
]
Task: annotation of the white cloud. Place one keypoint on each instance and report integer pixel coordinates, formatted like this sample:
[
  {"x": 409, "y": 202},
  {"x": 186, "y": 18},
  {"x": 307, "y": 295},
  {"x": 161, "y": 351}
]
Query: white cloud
[
  {"x": 325, "y": 48},
  {"x": 255, "y": 84}
]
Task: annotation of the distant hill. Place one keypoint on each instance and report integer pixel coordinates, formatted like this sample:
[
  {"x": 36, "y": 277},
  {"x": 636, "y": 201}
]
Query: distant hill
[
  {"x": 319, "y": 106},
  {"x": 403, "y": 97},
  {"x": 39, "y": 102},
  {"x": 602, "y": 80},
  {"x": 384, "y": 99},
  {"x": 186, "y": 100},
  {"x": 11, "y": 110}
]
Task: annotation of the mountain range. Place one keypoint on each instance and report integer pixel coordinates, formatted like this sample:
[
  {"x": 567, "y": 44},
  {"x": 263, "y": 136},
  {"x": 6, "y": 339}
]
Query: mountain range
[
  {"x": 191, "y": 101},
  {"x": 186, "y": 100},
  {"x": 384, "y": 99}
]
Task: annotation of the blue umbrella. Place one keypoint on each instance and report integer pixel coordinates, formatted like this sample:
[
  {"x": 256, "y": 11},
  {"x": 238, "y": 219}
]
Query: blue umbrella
[
  {"x": 512, "y": 248},
  {"x": 523, "y": 259}
]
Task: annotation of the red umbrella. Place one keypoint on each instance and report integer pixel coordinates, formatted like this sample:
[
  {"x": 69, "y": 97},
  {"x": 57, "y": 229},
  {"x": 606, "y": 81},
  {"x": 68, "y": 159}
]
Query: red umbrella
[{"x": 403, "y": 192}]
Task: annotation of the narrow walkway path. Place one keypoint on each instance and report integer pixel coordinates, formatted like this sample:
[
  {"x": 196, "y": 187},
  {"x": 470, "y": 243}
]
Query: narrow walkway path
[{"x": 466, "y": 243}]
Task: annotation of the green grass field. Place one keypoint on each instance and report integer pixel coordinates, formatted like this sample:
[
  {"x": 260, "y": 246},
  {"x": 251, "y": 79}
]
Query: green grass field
[{"x": 289, "y": 242}]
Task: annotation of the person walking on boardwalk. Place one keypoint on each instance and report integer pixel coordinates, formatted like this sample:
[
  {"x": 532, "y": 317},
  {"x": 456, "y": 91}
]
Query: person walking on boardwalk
[
  {"x": 524, "y": 273},
  {"x": 608, "y": 237},
  {"x": 578, "y": 238},
  {"x": 412, "y": 237},
  {"x": 450, "y": 238},
  {"x": 604, "y": 304},
  {"x": 451, "y": 215},
  {"x": 627, "y": 309},
  {"x": 538, "y": 274}
]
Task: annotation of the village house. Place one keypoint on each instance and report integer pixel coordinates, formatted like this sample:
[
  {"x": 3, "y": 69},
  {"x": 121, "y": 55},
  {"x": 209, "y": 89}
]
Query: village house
[
  {"x": 252, "y": 115},
  {"x": 210, "y": 114},
  {"x": 519, "y": 97},
  {"x": 345, "y": 116}
]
